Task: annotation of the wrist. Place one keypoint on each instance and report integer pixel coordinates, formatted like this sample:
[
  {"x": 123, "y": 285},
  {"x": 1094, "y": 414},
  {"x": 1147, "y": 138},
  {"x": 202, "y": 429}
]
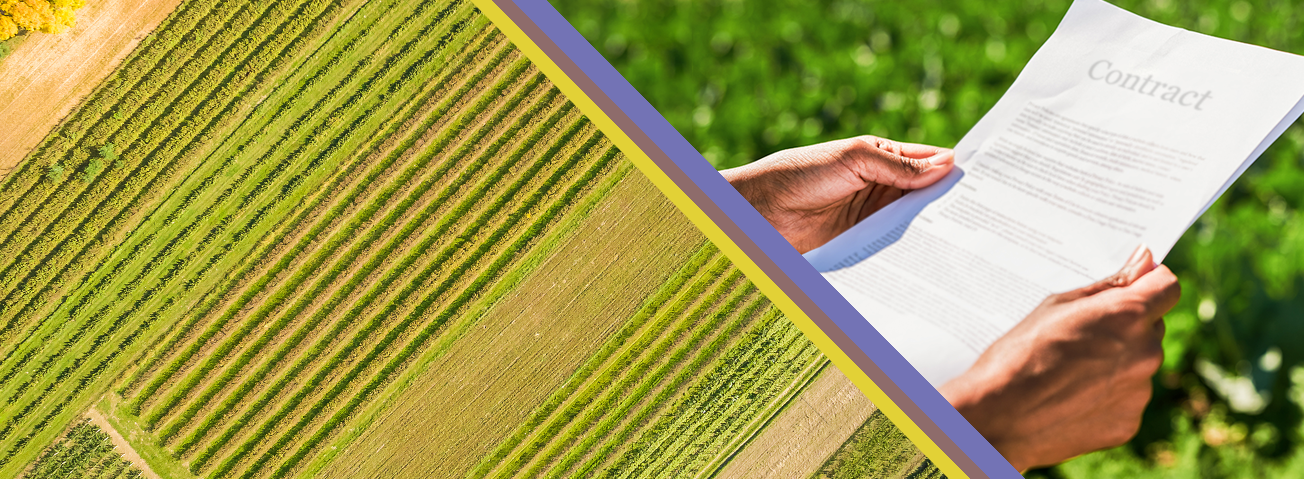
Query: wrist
[
  {"x": 744, "y": 179},
  {"x": 975, "y": 396}
]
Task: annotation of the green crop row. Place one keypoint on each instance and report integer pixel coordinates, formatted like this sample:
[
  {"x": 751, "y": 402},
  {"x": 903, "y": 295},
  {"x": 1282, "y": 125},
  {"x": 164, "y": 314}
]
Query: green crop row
[
  {"x": 175, "y": 270},
  {"x": 445, "y": 222},
  {"x": 646, "y": 311},
  {"x": 467, "y": 294},
  {"x": 342, "y": 263},
  {"x": 122, "y": 83},
  {"x": 306, "y": 240},
  {"x": 706, "y": 410},
  {"x": 601, "y": 420},
  {"x": 236, "y": 238},
  {"x": 719, "y": 423},
  {"x": 635, "y": 372},
  {"x": 121, "y": 193},
  {"x": 625, "y": 436},
  {"x": 257, "y": 287},
  {"x": 300, "y": 152},
  {"x": 665, "y": 319},
  {"x": 145, "y": 195},
  {"x": 390, "y": 370},
  {"x": 285, "y": 107},
  {"x": 739, "y": 320},
  {"x": 81, "y": 385},
  {"x": 84, "y": 451},
  {"x": 75, "y": 309},
  {"x": 47, "y": 224},
  {"x": 292, "y": 343}
]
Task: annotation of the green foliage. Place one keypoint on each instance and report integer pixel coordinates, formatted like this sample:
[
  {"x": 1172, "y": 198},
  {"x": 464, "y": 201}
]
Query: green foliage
[
  {"x": 54, "y": 172},
  {"x": 744, "y": 78},
  {"x": 91, "y": 170},
  {"x": 8, "y": 46},
  {"x": 85, "y": 451},
  {"x": 877, "y": 449},
  {"x": 108, "y": 151}
]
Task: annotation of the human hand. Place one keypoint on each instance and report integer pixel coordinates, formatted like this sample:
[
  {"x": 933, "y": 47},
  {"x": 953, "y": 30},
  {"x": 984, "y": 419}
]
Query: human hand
[
  {"x": 813, "y": 193},
  {"x": 1074, "y": 376}
]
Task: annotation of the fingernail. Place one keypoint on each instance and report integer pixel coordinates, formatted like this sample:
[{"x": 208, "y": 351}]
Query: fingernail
[
  {"x": 942, "y": 158},
  {"x": 1134, "y": 261},
  {"x": 1135, "y": 264}
]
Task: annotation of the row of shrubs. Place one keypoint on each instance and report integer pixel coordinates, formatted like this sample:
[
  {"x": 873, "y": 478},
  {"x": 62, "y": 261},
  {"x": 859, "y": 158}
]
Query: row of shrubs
[{"x": 316, "y": 160}]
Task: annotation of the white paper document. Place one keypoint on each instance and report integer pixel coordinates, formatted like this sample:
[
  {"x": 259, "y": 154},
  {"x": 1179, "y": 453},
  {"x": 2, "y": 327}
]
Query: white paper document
[{"x": 1120, "y": 131}]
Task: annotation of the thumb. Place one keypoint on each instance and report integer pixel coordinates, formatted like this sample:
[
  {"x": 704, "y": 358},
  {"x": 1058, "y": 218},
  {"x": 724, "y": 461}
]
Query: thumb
[
  {"x": 1140, "y": 263},
  {"x": 907, "y": 166}
]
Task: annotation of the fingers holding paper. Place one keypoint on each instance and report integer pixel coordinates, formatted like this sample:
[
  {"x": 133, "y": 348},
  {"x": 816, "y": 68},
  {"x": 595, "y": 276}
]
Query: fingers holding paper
[
  {"x": 1074, "y": 376},
  {"x": 813, "y": 193}
]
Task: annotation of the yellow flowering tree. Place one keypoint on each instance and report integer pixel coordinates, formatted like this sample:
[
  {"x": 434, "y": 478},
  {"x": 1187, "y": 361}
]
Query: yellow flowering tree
[{"x": 48, "y": 16}]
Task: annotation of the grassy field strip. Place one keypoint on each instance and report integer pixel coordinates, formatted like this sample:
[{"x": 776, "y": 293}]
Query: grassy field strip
[
  {"x": 785, "y": 398},
  {"x": 568, "y": 172},
  {"x": 634, "y": 413},
  {"x": 332, "y": 306},
  {"x": 74, "y": 215},
  {"x": 704, "y": 325},
  {"x": 682, "y": 448},
  {"x": 540, "y": 252},
  {"x": 240, "y": 281},
  {"x": 359, "y": 113},
  {"x": 274, "y": 306},
  {"x": 672, "y": 288},
  {"x": 170, "y": 272},
  {"x": 356, "y": 273},
  {"x": 623, "y": 367},
  {"x": 335, "y": 362}
]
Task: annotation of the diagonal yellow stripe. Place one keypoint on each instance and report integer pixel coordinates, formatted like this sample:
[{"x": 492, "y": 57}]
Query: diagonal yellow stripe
[{"x": 718, "y": 236}]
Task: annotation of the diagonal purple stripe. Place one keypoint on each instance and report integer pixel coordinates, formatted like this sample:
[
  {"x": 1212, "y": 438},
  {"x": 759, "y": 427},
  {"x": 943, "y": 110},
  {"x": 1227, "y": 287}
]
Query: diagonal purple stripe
[{"x": 924, "y": 398}]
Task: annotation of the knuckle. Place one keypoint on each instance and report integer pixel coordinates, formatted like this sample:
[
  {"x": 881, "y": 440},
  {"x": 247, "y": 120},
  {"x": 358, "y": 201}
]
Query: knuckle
[
  {"x": 1150, "y": 362},
  {"x": 1127, "y": 308}
]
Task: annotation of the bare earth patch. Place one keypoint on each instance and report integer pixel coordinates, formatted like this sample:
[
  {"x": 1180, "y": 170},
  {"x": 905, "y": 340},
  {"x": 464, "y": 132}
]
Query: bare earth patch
[
  {"x": 124, "y": 447},
  {"x": 805, "y": 434},
  {"x": 42, "y": 80}
]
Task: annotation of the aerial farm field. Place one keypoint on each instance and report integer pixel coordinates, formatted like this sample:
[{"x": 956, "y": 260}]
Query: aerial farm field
[
  {"x": 364, "y": 238},
  {"x": 50, "y": 74}
]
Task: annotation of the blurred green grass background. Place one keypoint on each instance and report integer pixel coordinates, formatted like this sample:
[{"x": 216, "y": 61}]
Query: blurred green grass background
[{"x": 744, "y": 78}]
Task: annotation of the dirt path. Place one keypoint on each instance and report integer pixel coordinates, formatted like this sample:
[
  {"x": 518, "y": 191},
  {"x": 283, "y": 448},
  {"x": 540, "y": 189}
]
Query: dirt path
[
  {"x": 124, "y": 447},
  {"x": 806, "y": 433},
  {"x": 49, "y": 74}
]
